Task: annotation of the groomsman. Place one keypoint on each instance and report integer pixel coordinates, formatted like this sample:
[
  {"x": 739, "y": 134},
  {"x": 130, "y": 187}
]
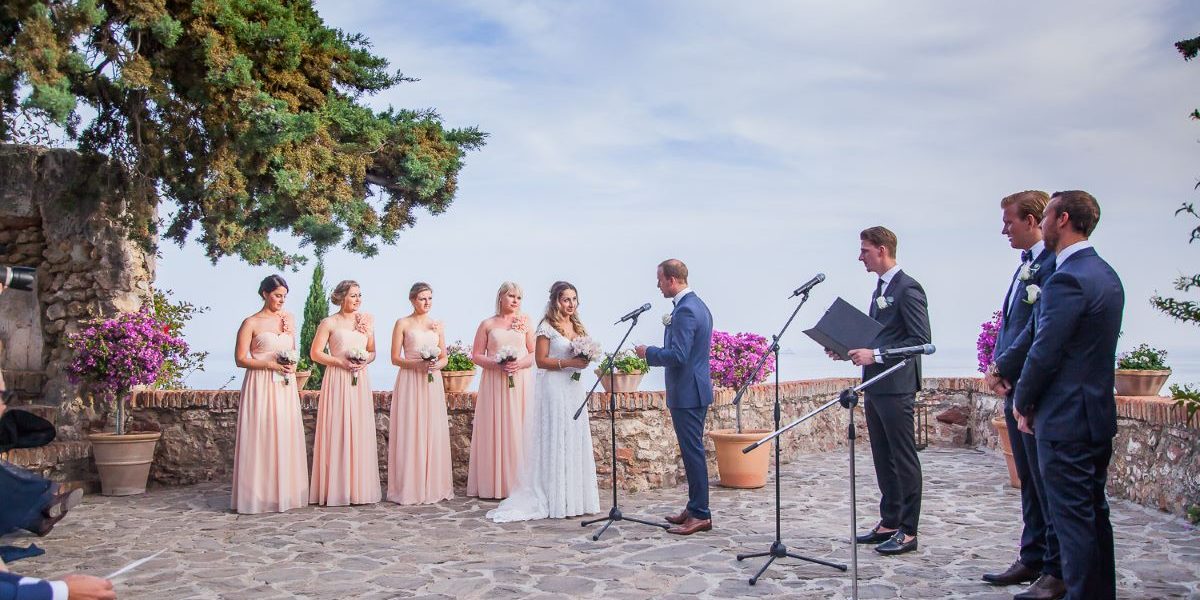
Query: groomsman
[
  {"x": 1038, "y": 559},
  {"x": 1064, "y": 396},
  {"x": 899, "y": 304}
]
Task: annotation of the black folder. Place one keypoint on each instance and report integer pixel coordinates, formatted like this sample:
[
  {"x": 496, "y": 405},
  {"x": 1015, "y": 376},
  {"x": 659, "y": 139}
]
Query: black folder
[{"x": 843, "y": 328}]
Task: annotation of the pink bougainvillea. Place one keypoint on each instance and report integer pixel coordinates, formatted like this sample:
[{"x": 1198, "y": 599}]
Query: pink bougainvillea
[
  {"x": 734, "y": 356},
  {"x": 986, "y": 344}
]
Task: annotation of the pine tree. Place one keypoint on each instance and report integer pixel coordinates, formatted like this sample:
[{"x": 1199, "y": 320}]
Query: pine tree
[{"x": 315, "y": 309}]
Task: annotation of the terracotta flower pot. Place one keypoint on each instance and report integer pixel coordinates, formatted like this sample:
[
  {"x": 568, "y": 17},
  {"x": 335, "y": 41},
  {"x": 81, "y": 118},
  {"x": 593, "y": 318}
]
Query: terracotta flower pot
[
  {"x": 738, "y": 470},
  {"x": 123, "y": 461},
  {"x": 626, "y": 382},
  {"x": 302, "y": 378},
  {"x": 1134, "y": 382},
  {"x": 457, "y": 381},
  {"x": 1001, "y": 427}
]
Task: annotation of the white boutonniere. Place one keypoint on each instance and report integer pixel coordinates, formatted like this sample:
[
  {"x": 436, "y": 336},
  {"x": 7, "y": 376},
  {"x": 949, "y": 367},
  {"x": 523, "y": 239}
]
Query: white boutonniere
[
  {"x": 1032, "y": 293},
  {"x": 884, "y": 301},
  {"x": 667, "y": 320},
  {"x": 1028, "y": 270}
]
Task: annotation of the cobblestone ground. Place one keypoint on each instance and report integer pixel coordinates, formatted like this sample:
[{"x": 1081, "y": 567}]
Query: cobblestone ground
[{"x": 969, "y": 526}]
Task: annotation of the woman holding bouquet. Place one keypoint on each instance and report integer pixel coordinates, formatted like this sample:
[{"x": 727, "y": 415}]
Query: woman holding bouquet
[
  {"x": 558, "y": 476},
  {"x": 419, "y": 434},
  {"x": 504, "y": 349},
  {"x": 270, "y": 466},
  {"x": 345, "y": 458}
]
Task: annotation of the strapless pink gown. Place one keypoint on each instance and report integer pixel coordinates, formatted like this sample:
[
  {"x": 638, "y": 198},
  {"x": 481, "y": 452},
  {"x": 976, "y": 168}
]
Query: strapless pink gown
[
  {"x": 345, "y": 455},
  {"x": 497, "y": 434},
  {"x": 419, "y": 434},
  {"x": 270, "y": 468}
]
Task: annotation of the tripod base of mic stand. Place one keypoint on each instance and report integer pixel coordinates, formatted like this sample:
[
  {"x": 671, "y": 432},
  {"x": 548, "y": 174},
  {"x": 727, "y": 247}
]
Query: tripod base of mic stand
[
  {"x": 614, "y": 515},
  {"x": 779, "y": 550}
]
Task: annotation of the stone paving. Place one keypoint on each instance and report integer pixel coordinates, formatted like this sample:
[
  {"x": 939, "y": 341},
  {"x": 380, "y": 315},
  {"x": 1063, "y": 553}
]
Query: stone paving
[{"x": 969, "y": 526}]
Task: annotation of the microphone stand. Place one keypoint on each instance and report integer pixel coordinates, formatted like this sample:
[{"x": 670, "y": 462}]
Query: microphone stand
[
  {"x": 614, "y": 513},
  {"x": 778, "y": 548},
  {"x": 848, "y": 398}
]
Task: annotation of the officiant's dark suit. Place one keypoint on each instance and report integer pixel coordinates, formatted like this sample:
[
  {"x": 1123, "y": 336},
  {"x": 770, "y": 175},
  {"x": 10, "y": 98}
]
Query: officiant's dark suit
[
  {"x": 1066, "y": 392},
  {"x": 900, "y": 306}
]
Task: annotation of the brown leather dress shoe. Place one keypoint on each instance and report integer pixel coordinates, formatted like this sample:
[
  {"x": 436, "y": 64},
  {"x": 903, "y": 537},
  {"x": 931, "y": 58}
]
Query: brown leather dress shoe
[
  {"x": 679, "y": 518},
  {"x": 1017, "y": 573},
  {"x": 691, "y": 525},
  {"x": 1047, "y": 587}
]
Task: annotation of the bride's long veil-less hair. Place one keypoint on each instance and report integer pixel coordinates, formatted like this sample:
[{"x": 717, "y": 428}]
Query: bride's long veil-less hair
[{"x": 553, "y": 314}]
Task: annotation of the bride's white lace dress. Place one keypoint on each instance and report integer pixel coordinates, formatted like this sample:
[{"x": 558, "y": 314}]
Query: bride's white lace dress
[{"x": 558, "y": 478}]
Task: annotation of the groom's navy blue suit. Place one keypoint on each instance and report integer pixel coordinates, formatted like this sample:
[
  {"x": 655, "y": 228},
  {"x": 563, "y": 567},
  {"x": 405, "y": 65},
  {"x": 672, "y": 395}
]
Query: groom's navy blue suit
[
  {"x": 1066, "y": 386},
  {"x": 1039, "y": 544},
  {"x": 687, "y": 342}
]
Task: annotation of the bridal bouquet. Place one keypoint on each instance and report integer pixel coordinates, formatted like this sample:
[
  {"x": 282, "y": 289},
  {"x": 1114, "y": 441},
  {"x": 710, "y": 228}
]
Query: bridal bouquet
[
  {"x": 585, "y": 347},
  {"x": 286, "y": 357},
  {"x": 430, "y": 354},
  {"x": 357, "y": 356},
  {"x": 507, "y": 354}
]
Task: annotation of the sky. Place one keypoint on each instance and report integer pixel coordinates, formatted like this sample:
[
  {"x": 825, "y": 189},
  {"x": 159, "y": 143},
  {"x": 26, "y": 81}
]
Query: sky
[{"x": 754, "y": 141}]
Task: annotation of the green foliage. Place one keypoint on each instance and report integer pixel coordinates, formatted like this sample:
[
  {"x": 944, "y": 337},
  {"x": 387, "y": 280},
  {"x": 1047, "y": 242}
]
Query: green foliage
[
  {"x": 627, "y": 363},
  {"x": 175, "y": 315},
  {"x": 1187, "y": 396},
  {"x": 246, "y": 114},
  {"x": 1143, "y": 358},
  {"x": 458, "y": 358},
  {"x": 1193, "y": 514},
  {"x": 316, "y": 308}
]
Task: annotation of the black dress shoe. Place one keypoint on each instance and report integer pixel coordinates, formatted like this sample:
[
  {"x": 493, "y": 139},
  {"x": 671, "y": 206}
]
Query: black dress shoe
[
  {"x": 874, "y": 536},
  {"x": 897, "y": 545},
  {"x": 1017, "y": 573},
  {"x": 1047, "y": 587}
]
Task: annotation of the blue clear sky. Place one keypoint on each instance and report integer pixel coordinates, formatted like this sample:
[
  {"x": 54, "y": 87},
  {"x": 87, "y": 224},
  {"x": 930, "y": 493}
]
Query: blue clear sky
[{"x": 754, "y": 141}]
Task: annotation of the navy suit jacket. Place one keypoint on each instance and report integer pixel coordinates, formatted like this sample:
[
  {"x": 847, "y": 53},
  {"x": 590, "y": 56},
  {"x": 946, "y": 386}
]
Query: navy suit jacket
[
  {"x": 687, "y": 343},
  {"x": 1066, "y": 382},
  {"x": 905, "y": 323},
  {"x": 1012, "y": 342},
  {"x": 11, "y": 588}
]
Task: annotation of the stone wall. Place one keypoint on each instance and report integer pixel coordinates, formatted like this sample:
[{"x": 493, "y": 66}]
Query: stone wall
[
  {"x": 199, "y": 427},
  {"x": 61, "y": 213},
  {"x": 1156, "y": 454}
]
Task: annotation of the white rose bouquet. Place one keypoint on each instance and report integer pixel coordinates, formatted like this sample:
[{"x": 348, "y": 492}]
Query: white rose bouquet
[
  {"x": 357, "y": 356},
  {"x": 585, "y": 347},
  {"x": 430, "y": 354},
  {"x": 286, "y": 357},
  {"x": 507, "y": 354}
]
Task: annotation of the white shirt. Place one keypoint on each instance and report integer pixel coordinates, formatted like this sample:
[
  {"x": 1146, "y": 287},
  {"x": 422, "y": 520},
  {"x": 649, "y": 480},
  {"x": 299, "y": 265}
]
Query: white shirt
[
  {"x": 1035, "y": 253},
  {"x": 887, "y": 278},
  {"x": 1066, "y": 253},
  {"x": 680, "y": 295}
]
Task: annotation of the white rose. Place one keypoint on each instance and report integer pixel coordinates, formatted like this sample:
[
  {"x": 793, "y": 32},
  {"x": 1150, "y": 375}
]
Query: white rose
[
  {"x": 667, "y": 320},
  {"x": 1026, "y": 272},
  {"x": 882, "y": 302},
  {"x": 1032, "y": 293}
]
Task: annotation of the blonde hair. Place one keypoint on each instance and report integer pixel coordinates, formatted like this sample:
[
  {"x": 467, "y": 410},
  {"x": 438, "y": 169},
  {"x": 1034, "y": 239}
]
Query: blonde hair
[
  {"x": 340, "y": 290},
  {"x": 506, "y": 287},
  {"x": 552, "y": 314},
  {"x": 1030, "y": 203},
  {"x": 417, "y": 288}
]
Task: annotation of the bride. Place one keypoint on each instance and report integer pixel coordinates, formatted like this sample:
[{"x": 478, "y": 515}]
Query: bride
[{"x": 558, "y": 477}]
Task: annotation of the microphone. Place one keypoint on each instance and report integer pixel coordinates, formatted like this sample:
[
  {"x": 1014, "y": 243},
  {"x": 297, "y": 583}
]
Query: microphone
[
  {"x": 808, "y": 285},
  {"x": 909, "y": 351},
  {"x": 633, "y": 314}
]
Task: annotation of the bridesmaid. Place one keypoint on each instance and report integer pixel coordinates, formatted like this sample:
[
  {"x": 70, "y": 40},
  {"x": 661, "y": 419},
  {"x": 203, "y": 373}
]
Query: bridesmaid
[
  {"x": 419, "y": 434},
  {"x": 496, "y": 438},
  {"x": 345, "y": 456},
  {"x": 270, "y": 466}
]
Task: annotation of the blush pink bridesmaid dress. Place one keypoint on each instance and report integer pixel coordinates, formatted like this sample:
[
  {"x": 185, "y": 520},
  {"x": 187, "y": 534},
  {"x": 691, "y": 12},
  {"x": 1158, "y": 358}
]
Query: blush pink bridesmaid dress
[
  {"x": 270, "y": 467},
  {"x": 419, "y": 434},
  {"x": 497, "y": 435},
  {"x": 345, "y": 455}
]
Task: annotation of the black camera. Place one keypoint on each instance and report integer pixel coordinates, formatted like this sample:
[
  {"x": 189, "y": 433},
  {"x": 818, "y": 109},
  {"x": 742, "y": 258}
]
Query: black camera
[{"x": 17, "y": 278}]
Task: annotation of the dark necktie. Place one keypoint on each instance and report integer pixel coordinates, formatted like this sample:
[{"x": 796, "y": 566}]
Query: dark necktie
[{"x": 878, "y": 289}]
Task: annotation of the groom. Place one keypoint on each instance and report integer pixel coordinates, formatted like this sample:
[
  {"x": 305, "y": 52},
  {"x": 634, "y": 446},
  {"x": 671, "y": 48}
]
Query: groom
[{"x": 686, "y": 345}]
